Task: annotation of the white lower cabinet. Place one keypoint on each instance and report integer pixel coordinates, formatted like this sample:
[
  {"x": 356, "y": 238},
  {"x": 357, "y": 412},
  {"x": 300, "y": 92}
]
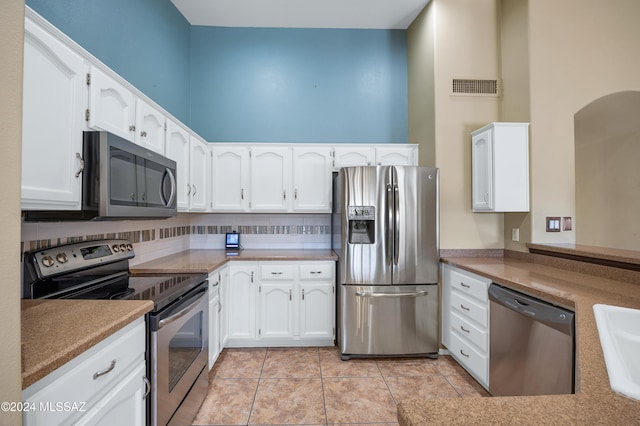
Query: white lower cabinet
[
  {"x": 281, "y": 303},
  {"x": 465, "y": 320},
  {"x": 241, "y": 312},
  {"x": 214, "y": 317},
  {"x": 105, "y": 385}
]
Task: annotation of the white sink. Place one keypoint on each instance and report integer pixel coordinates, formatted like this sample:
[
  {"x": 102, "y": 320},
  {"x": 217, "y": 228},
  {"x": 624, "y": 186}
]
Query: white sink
[{"x": 619, "y": 330}]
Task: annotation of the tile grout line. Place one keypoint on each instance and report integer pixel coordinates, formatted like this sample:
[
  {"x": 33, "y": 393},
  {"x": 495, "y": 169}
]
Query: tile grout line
[
  {"x": 324, "y": 401},
  {"x": 255, "y": 395}
]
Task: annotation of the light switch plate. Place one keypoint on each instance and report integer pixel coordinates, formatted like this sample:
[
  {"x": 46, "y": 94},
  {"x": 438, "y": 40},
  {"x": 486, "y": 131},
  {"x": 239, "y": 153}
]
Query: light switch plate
[{"x": 553, "y": 224}]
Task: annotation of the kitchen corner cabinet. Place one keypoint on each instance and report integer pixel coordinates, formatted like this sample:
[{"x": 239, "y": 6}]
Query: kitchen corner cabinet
[
  {"x": 229, "y": 178},
  {"x": 54, "y": 99},
  {"x": 500, "y": 168},
  {"x": 465, "y": 320},
  {"x": 107, "y": 383}
]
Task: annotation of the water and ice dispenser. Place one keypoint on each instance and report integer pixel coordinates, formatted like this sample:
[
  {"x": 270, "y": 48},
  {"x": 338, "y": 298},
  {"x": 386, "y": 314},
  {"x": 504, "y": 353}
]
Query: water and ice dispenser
[{"x": 361, "y": 224}]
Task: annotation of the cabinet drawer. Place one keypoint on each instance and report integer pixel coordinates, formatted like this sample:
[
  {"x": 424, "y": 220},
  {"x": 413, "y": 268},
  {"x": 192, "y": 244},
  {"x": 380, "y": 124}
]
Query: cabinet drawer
[
  {"x": 470, "y": 284},
  {"x": 276, "y": 272},
  {"x": 319, "y": 271},
  {"x": 76, "y": 381},
  {"x": 473, "y": 361},
  {"x": 469, "y": 308},
  {"x": 470, "y": 332}
]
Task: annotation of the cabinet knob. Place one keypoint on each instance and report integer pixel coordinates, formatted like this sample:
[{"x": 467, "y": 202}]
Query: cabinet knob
[
  {"x": 143, "y": 134},
  {"x": 188, "y": 190},
  {"x": 132, "y": 128}
]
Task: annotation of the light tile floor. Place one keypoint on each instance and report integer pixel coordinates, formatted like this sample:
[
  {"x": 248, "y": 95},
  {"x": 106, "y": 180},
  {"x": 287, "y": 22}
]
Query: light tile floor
[{"x": 312, "y": 386}]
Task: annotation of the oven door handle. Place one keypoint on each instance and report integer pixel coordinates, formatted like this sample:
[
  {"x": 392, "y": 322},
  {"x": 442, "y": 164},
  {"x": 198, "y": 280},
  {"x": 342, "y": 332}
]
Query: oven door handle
[{"x": 191, "y": 304}]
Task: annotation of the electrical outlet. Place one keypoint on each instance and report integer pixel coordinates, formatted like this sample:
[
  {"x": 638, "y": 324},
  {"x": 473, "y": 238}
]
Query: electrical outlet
[
  {"x": 566, "y": 223},
  {"x": 553, "y": 224},
  {"x": 515, "y": 234}
]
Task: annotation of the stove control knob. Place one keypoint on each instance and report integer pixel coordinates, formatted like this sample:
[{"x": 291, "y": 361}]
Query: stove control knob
[
  {"x": 62, "y": 258},
  {"x": 116, "y": 248},
  {"x": 129, "y": 247},
  {"x": 123, "y": 247},
  {"x": 47, "y": 261}
]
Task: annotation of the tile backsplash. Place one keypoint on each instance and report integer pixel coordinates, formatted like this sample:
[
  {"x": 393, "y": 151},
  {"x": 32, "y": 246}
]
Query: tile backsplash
[{"x": 153, "y": 239}]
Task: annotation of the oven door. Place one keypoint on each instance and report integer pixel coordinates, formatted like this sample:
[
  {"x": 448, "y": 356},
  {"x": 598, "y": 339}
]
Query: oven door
[{"x": 179, "y": 353}]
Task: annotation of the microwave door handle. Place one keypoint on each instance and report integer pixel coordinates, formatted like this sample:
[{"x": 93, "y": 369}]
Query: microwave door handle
[{"x": 167, "y": 203}]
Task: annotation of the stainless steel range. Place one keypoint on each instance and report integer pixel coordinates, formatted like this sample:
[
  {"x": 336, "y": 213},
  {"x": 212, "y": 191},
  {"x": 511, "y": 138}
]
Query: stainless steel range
[{"x": 177, "y": 336}]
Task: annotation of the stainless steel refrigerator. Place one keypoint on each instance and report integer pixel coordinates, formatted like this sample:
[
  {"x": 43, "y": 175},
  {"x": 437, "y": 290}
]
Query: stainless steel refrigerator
[{"x": 385, "y": 231}]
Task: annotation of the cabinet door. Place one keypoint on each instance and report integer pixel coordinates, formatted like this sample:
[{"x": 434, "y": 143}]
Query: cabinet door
[
  {"x": 230, "y": 170},
  {"x": 270, "y": 179},
  {"x": 177, "y": 148},
  {"x": 348, "y": 156},
  {"x": 199, "y": 167},
  {"x": 400, "y": 155},
  {"x": 224, "y": 306},
  {"x": 150, "y": 127},
  {"x": 276, "y": 310},
  {"x": 312, "y": 179},
  {"x": 482, "y": 171},
  {"x": 316, "y": 310},
  {"x": 111, "y": 106},
  {"x": 214, "y": 328},
  {"x": 124, "y": 402},
  {"x": 242, "y": 302},
  {"x": 54, "y": 100}
]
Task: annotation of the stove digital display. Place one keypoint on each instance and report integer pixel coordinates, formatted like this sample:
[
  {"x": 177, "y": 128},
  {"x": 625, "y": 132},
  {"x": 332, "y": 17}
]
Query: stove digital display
[{"x": 95, "y": 252}]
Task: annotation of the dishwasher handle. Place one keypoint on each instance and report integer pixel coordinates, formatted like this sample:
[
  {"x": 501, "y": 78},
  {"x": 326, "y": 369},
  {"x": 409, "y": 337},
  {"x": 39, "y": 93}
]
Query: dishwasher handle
[{"x": 538, "y": 310}]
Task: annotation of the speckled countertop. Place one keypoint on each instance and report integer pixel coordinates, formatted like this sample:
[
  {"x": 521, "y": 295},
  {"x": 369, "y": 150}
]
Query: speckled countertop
[
  {"x": 594, "y": 401},
  {"x": 206, "y": 261},
  {"x": 56, "y": 331}
]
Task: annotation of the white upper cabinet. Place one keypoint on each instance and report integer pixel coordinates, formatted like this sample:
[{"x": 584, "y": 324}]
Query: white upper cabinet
[
  {"x": 397, "y": 155},
  {"x": 270, "y": 179},
  {"x": 500, "y": 168},
  {"x": 54, "y": 100},
  {"x": 375, "y": 155},
  {"x": 199, "y": 169},
  {"x": 349, "y": 156},
  {"x": 230, "y": 176},
  {"x": 177, "y": 148},
  {"x": 111, "y": 106},
  {"x": 312, "y": 179},
  {"x": 150, "y": 128}
]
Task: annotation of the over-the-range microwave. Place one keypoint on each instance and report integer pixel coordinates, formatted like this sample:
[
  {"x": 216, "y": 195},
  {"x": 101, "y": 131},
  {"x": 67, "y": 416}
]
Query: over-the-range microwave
[{"x": 120, "y": 180}]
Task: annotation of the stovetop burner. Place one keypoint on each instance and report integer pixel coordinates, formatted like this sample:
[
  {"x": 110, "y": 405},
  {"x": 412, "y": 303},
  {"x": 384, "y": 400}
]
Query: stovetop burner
[{"x": 99, "y": 270}]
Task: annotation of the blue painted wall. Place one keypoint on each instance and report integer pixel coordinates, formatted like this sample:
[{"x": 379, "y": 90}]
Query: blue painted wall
[
  {"x": 248, "y": 84},
  {"x": 145, "y": 41},
  {"x": 299, "y": 85}
]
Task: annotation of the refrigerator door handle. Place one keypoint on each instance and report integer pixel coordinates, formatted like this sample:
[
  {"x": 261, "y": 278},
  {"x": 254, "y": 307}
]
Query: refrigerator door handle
[
  {"x": 396, "y": 227},
  {"x": 389, "y": 224},
  {"x": 378, "y": 295}
]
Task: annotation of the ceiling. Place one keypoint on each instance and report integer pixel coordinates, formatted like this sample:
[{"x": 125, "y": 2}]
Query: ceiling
[{"x": 372, "y": 14}]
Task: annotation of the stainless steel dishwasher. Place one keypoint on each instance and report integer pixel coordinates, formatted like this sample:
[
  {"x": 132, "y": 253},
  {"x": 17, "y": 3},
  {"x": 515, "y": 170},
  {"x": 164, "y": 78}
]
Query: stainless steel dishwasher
[{"x": 531, "y": 345}]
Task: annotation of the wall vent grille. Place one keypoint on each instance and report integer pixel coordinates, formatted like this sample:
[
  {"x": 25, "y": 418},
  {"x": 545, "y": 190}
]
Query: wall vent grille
[{"x": 475, "y": 87}]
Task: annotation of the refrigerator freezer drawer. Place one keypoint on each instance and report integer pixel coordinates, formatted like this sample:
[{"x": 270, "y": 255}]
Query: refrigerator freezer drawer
[{"x": 388, "y": 320}]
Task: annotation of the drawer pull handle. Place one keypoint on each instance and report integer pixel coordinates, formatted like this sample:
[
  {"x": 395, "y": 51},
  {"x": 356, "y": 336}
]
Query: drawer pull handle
[
  {"x": 465, "y": 285},
  {"x": 147, "y": 384},
  {"x": 464, "y": 307},
  {"x": 463, "y": 329},
  {"x": 315, "y": 272},
  {"x": 276, "y": 273},
  {"x": 463, "y": 354},
  {"x": 106, "y": 371}
]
